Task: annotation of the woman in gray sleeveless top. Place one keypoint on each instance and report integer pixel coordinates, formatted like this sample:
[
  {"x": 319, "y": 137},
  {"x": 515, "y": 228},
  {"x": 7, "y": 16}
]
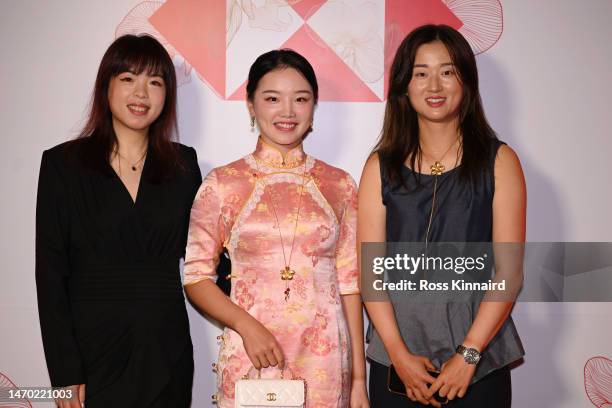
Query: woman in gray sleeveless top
[{"x": 439, "y": 174}]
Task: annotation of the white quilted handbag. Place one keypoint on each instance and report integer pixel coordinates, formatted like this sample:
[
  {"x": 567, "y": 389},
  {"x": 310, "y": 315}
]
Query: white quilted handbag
[{"x": 269, "y": 392}]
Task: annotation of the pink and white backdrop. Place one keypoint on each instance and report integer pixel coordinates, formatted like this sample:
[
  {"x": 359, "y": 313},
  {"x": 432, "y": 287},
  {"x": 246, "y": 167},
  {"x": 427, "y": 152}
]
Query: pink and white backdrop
[{"x": 544, "y": 68}]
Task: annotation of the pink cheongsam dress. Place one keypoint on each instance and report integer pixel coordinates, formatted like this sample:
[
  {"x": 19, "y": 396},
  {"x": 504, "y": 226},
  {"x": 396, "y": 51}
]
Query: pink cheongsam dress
[{"x": 233, "y": 209}]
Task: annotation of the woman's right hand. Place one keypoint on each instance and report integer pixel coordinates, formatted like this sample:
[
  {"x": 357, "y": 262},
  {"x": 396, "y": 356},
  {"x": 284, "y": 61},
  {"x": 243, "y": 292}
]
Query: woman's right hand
[
  {"x": 260, "y": 345},
  {"x": 77, "y": 398},
  {"x": 412, "y": 370}
]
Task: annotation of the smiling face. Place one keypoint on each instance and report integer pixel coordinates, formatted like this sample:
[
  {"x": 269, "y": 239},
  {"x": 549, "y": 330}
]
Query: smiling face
[
  {"x": 283, "y": 107},
  {"x": 435, "y": 91},
  {"x": 135, "y": 100}
]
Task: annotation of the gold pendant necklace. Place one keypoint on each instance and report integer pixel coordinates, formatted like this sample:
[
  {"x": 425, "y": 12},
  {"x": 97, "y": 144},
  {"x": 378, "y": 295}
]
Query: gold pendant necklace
[
  {"x": 436, "y": 170},
  {"x": 286, "y": 274}
]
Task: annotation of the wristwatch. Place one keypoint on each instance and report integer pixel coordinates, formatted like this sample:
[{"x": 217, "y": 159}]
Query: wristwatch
[{"x": 470, "y": 355}]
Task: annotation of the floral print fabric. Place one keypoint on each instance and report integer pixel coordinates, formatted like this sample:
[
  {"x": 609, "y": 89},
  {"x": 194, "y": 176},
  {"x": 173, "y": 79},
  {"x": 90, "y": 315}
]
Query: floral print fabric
[{"x": 233, "y": 209}]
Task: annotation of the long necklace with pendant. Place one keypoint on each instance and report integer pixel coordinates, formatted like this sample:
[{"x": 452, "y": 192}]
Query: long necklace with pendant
[
  {"x": 436, "y": 170},
  {"x": 286, "y": 274}
]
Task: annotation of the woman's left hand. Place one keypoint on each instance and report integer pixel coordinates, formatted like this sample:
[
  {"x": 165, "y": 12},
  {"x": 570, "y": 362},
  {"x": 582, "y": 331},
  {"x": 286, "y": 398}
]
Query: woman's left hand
[
  {"x": 454, "y": 379},
  {"x": 359, "y": 395}
]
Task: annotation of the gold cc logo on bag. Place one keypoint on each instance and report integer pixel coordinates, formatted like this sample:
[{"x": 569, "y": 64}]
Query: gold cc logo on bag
[{"x": 271, "y": 396}]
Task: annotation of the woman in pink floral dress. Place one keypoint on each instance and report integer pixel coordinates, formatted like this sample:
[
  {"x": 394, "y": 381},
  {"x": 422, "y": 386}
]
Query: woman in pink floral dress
[{"x": 288, "y": 223}]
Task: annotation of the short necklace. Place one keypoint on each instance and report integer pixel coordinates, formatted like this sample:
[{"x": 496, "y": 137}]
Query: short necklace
[
  {"x": 436, "y": 170},
  {"x": 134, "y": 166},
  {"x": 286, "y": 274}
]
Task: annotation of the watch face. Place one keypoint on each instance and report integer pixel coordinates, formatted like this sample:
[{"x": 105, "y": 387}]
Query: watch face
[{"x": 471, "y": 356}]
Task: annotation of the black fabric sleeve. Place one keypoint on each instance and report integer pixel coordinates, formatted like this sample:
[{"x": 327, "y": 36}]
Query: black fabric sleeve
[
  {"x": 495, "y": 145},
  {"x": 194, "y": 181},
  {"x": 194, "y": 168},
  {"x": 52, "y": 270},
  {"x": 384, "y": 184}
]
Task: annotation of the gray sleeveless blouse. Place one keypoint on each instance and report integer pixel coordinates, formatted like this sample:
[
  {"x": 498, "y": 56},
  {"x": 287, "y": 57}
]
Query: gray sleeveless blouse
[{"x": 464, "y": 213}]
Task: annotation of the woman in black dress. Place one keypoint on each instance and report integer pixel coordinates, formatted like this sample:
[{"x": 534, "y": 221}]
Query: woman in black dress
[
  {"x": 439, "y": 174},
  {"x": 111, "y": 225}
]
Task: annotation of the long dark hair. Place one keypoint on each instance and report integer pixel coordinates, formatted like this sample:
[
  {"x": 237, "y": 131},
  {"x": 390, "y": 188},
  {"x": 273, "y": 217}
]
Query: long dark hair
[
  {"x": 136, "y": 54},
  {"x": 279, "y": 59},
  {"x": 399, "y": 139}
]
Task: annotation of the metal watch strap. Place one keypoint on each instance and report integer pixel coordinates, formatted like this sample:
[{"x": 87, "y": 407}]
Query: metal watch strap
[{"x": 470, "y": 355}]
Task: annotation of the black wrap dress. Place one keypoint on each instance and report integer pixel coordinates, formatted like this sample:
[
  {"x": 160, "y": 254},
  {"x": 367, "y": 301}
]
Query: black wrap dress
[{"x": 111, "y": 305}]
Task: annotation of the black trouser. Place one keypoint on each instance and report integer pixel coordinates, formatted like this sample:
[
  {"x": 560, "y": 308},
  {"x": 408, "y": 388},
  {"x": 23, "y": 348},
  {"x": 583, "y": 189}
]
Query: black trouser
[{"x": 492, "y": 391}]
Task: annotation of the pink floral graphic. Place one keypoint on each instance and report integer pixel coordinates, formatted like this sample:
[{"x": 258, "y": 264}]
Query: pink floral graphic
[
  {"x": 598, "y": 381},
  {"x": 354, "y": 37},
  {"x": 231, "y": 371},
  {"x": 309, "y": 247},
  {"x": 333, "y": 290},
  {"x": 227, "y": 385},
  {"x": 137, "y": 22},
  {"x": 7, "y": 384},
  {"x": 299, "y": 286},
  {"x": 314, "y": 337},
  {"x": 268, "y": 16},
  {"x": 243, "y": 297},
  {"x": 320, "y": 345},
  {"x": 482, "y": 20}
]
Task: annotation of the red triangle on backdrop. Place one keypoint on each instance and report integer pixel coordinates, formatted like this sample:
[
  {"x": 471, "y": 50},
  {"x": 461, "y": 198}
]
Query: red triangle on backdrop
[
  {"x": 239, "y": 94},
  {"x": 306, "y": 8},
  {"x": 403, "y": 16},
  {"x": 337, "y": 81},
  {"x": 196, "y": 28}
]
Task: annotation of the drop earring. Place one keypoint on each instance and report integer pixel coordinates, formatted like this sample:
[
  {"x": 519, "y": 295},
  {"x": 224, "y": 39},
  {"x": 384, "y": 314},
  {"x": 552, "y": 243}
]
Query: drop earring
[{"x": 252, "y": 123}]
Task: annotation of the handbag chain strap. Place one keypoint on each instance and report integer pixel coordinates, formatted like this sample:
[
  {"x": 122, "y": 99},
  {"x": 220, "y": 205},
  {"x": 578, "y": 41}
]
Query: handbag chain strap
[{"x": 282, "y": 371}]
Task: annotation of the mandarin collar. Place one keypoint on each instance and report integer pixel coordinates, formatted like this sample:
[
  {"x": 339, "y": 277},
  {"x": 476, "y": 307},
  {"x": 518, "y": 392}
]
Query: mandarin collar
[{"x": 273, "y": 157}]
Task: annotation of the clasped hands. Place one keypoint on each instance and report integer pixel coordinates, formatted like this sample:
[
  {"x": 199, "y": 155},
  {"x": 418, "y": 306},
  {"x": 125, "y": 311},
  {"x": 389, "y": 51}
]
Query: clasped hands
[{"x": 452, "y": 382}]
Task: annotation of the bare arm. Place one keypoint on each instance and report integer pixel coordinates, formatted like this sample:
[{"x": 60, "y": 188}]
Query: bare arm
[
  {"x": 353, "y": 311},
  {"x": 209, "y": 299},
  {"x": 371, "y": 226},
  {"x": 354, "y": 314},
  {"x": 509, "y": 215},
  {"x": 509, "y": 209}
]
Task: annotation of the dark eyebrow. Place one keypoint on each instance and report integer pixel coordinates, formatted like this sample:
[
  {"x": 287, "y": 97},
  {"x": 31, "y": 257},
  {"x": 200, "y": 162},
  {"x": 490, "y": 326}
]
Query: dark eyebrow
[
  {"x": 271, "y": 91},
  {"x": 426, "y": 66},
  {"x": 131, "y": 71}
]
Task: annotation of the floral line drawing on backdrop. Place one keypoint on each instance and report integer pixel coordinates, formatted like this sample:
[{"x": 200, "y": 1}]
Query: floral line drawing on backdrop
[
  {"x": 598, "y": 381},
  {"x": 219, "y": 38}
]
